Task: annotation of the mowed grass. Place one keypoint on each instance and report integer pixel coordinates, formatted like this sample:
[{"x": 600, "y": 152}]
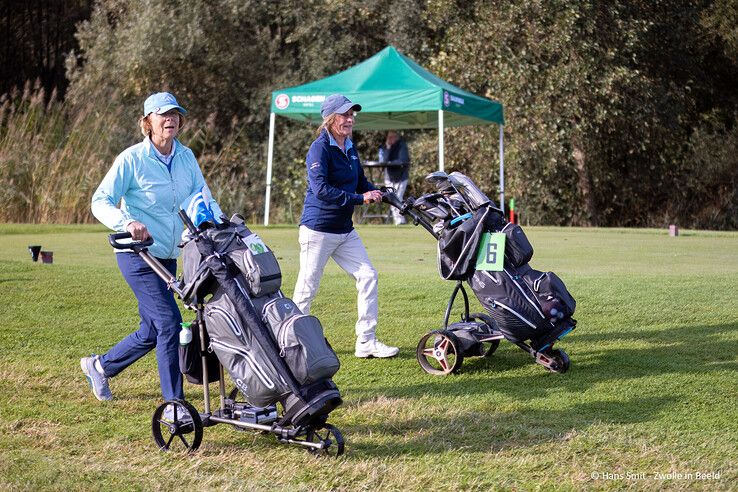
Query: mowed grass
[{"x": 649, "y": 402}]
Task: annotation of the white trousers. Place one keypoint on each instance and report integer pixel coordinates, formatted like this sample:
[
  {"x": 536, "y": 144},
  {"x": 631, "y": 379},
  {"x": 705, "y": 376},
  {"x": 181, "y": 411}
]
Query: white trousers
[
  {"x": 349, "y": 253},
  {"x": 400, "y": 187}
]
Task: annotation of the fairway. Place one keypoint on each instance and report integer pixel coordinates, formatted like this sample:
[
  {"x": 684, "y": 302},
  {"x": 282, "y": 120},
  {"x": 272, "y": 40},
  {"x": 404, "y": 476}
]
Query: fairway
[{"x": 649, "y": 401}]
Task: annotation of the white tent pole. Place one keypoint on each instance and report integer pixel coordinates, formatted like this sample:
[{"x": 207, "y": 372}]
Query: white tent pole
[
  {"x": 270, "y": 155},
  {"x": 440, "y": 140},
  {"x": 502, "y": 170}
]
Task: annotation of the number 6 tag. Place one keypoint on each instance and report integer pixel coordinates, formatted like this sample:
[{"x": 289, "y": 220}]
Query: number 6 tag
[{"x": 491, "y": 253}]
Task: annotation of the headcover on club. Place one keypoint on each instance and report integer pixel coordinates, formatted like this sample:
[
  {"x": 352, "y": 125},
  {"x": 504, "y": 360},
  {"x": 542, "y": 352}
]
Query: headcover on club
[{"x": 198, "y": 207}]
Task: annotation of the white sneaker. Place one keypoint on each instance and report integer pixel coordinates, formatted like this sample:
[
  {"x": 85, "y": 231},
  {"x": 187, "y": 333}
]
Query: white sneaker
[
  {"x": 183, "y": 416},
  {"x": 374, "y": 348}
]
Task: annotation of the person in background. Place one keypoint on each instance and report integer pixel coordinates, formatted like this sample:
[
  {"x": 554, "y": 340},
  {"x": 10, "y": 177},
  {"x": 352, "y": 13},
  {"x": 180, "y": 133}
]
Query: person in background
[
  {"x": 150, "y": 180},
  {"x": 394, "y": 151},
  {"x": 336, "y": 184}
]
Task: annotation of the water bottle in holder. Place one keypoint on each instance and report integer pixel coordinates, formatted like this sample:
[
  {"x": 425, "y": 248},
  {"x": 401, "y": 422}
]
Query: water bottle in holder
[{"x": 185, "y": 334}]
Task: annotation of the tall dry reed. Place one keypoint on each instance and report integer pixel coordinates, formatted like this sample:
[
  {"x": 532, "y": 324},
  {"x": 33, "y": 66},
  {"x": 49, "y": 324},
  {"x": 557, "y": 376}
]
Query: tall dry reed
[{"x": 51, "y": 157}]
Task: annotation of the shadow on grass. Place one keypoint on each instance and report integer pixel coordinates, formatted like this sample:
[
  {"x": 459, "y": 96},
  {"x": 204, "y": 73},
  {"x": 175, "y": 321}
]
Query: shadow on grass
[
  {"x": 689, "y": 350},
  {"x": 695, "y": 349},
  {"x": 498, "y": 431},
  {"x": 4, "y": 280}
]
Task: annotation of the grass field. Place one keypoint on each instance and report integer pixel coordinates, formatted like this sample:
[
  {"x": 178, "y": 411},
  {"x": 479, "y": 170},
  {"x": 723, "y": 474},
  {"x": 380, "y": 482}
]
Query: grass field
[{"x": 649, "y": 402}]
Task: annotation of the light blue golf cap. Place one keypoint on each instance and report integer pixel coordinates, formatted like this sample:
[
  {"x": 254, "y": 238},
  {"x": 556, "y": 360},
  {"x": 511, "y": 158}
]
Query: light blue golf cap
[{"x": 160, "y": 103}]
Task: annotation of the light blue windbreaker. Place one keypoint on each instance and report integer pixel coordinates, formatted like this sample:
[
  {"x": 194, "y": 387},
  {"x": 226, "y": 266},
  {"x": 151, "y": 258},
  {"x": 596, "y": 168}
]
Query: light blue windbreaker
[{"x": 150, "y": 194}]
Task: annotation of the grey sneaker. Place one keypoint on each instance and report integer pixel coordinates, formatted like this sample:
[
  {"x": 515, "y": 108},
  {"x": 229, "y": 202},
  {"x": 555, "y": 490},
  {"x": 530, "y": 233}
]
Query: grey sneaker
[
  {"x": 374, "y": 348},
  {"x": 98, "y": 381}
]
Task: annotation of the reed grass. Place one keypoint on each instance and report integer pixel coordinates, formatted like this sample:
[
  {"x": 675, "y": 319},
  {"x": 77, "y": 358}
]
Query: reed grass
[
  {"x": 53, "y": 155},
  {"x": 52, "y": 158}
]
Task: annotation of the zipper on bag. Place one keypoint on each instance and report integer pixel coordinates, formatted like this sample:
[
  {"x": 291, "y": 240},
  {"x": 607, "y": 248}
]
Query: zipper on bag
[
  {"x": 230, "y": 320},
  {"x": 531, "y": 301},
  {"x": 258, "y": 370},
  {"x": 515, "y": 313}
]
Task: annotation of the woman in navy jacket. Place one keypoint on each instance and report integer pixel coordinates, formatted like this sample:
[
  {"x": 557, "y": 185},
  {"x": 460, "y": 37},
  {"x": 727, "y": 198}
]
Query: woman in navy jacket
[{"x": 336, "y": 184}]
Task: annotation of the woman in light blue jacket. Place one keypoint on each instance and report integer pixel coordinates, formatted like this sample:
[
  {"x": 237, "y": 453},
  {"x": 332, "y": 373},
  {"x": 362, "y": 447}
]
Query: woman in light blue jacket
[{"x": 150, "y": 180}]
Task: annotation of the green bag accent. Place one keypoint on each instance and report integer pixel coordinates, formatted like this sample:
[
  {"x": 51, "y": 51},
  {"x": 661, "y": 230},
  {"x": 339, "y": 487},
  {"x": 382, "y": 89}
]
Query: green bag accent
[{"x": 491, "y": 253}]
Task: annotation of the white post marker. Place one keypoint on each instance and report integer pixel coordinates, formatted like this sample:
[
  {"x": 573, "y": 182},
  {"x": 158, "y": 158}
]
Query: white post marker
[
  {"x": 502, "y": 171},
  {"x": 270, "y": 155},
  {"x": 440, "y": 140}
]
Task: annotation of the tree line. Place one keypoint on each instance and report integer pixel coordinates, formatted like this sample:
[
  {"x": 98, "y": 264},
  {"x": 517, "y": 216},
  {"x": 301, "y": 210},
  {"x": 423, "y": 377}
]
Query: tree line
[{"x": 618, "y": 113}]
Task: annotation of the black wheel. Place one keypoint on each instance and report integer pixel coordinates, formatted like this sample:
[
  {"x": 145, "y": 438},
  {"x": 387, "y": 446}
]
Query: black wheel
[
  {"x": 329, "y": 437},
  {"x": 494, "y": 344},
  {"x": 561, "y": 360},
  {"x": 178, "y": 428},
  {"x": 438, "y": 353}
]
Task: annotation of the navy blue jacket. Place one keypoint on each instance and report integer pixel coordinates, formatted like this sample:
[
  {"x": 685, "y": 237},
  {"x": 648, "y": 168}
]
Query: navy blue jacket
[{"x": 336, "y": 183}]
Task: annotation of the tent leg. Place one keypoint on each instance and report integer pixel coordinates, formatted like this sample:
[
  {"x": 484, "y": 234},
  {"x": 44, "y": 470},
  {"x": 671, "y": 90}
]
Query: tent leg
[
  {"x": 441, "y": 165},
  {"x": 270, "y": 155},
  {"x": 502, "y": 170}
]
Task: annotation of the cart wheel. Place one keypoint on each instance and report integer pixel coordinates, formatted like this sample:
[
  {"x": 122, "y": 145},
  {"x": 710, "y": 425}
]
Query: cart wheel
[
  {"x": 561, "y": 359},
  {"x": 181, "y": 430},
  {"x": 438, "y": 353},
  {"x": 331, "y": 439}
]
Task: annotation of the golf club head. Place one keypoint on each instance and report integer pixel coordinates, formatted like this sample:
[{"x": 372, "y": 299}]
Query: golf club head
[
  {"x": 454, "y": 180},
  {"x": 436, "y": 177},
  {"x": 440, "y": 180},
  {"x": 471, "y": 193}
]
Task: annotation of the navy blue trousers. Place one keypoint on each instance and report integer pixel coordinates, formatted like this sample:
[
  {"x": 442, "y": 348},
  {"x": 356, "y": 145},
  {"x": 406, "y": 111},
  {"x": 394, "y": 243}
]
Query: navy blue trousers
[{"x": 160, "y": 324}]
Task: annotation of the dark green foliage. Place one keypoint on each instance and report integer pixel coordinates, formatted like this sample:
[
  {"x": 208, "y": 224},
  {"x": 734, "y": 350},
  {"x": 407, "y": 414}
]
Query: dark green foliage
[
  {"x": 618, "y": 113},
  {"x": 36, "y": 37}
]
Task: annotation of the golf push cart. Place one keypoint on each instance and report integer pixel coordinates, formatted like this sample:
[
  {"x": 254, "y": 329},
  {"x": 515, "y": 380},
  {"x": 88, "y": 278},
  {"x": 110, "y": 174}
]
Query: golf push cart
[
  {"x": 244, "y": 320},
  {"x": 477, "y": 246}
]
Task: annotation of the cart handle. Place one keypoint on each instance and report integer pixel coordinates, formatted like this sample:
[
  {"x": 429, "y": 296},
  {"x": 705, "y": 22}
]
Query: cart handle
[{"x": 136, "y": 246}]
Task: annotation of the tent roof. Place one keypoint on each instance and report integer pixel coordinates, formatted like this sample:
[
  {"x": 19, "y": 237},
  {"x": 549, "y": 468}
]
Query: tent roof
[{"x": 394, "y": 92}]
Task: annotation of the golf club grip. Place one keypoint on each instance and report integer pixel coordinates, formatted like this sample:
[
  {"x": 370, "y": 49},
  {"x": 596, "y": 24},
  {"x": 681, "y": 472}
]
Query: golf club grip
[
  {"x": 419, "y": 219},
  {"x": 113, "y": 239},
  {"x": 187, "y": 222}
]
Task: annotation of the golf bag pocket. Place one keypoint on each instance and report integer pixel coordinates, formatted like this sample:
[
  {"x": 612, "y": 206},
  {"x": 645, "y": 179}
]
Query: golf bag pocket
[
  {"x": 259, "y": 266},
  {"x": 518, "y": 250},
  {"x": 240, "y": 354},
  {"x": 190, "y": 359},
  {"x": 258, "y": 382},
  {"x": 552, "y": 293},
  {"x": 305, "y": 349},
  {"x": 277, "y": 310}
]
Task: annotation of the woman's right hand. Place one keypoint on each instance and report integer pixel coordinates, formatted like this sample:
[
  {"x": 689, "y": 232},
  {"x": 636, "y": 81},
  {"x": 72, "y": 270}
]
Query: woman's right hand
[
  {"x": 373, "y": 196},
  {"x": 138, "y": 231}
]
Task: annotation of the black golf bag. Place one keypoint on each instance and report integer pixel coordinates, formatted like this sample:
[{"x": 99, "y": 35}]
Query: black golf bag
[
  {"x": 527, "y": 304},
  {"x": 270, "y": 349}
]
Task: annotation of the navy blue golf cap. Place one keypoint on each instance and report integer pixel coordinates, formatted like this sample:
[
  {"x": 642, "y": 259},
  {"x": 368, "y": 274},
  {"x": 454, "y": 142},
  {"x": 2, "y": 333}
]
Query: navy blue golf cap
[{"x": 337, "y": 103}]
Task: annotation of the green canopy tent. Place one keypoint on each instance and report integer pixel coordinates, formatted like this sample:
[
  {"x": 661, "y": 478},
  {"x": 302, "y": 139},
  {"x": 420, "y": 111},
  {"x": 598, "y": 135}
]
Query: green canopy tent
[{"x": 395, "y": 94}]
